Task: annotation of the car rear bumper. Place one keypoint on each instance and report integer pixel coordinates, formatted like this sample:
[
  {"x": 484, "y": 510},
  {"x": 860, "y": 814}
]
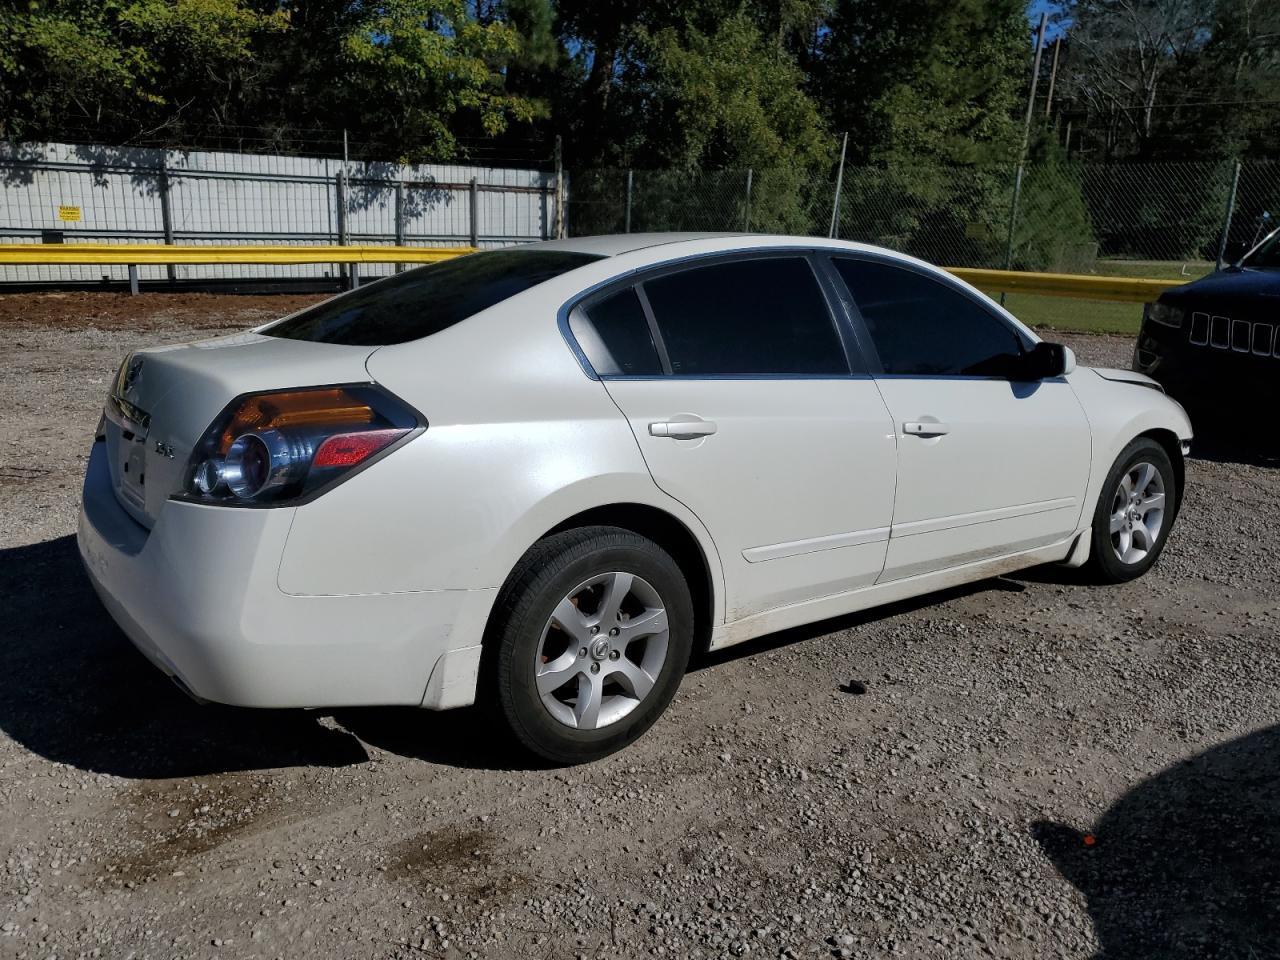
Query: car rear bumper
[{"x": 198, "y": 594}]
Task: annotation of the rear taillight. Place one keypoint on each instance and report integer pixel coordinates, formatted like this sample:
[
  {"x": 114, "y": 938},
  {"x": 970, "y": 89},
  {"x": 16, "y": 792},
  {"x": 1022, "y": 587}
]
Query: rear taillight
[{"x": 284, "y": 446}]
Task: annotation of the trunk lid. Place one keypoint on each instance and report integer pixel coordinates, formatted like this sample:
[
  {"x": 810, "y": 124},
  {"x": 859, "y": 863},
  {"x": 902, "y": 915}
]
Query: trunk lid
[{"x": 165, "y": 398}]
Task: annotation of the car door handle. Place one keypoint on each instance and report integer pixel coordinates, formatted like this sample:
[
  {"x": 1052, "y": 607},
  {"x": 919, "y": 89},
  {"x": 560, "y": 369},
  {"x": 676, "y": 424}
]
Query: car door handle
[
  {"x": 925, "y": 428},
  {"x": 682, "y": 429}
]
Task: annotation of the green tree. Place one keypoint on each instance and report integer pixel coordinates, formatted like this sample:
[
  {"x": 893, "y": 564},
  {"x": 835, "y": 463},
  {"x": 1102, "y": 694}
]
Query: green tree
[
  {"x": 728, "y": 98},
  {"x": 119, "y": 65},
  {"x": 929, "y": 91},
  {"x": 417, "y": 65},
  {"x": 406, "y": 77}
]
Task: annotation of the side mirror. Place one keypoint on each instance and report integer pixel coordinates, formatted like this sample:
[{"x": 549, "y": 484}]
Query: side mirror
[{"x": 1045, "y": 361}]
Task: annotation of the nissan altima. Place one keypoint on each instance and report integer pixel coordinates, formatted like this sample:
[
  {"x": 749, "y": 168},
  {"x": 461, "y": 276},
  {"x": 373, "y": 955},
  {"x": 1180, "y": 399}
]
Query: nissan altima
[{"x": 542, "y": 477}]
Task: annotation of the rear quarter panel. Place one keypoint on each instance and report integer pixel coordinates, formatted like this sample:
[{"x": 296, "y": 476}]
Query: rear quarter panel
[{"x": 519, "y": 438}]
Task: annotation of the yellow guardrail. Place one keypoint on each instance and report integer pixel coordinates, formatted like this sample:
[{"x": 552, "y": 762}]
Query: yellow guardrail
[
  {"x": 138, "y": 254},
  {"x": 1079, "y": 286},
  {"x": 1119, "y": 289}
]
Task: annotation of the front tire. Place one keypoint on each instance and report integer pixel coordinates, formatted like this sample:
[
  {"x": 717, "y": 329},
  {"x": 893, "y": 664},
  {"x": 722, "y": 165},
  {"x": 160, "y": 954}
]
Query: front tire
[
  {"x": 592, "y": 635},
  {"x": 1135, "y": 512}
]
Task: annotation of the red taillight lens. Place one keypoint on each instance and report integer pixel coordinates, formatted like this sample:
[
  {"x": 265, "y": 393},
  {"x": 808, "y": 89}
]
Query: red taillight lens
[
  {"x": 348, "y": 449},
  {"x": 279, "y": 447}
]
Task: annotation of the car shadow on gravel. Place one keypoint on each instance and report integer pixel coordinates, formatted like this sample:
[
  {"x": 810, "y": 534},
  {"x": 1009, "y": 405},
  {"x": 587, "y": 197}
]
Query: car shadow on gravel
[
  {"x": 74, "y": 690},
  {"x": 851, "y": 621},
  {"x": 1186, "y": 864},
  {"x": 1220, "y": 449}
]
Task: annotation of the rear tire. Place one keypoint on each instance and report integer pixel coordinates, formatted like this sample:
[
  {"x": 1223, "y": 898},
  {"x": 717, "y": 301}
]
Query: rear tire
[
  {"x": 591, "y": 637},
  {"x": 1134, "y": 514}
]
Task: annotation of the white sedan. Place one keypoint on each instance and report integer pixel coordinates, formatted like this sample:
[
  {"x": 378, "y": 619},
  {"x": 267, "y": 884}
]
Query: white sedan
[{"x": 541, "y": 477}]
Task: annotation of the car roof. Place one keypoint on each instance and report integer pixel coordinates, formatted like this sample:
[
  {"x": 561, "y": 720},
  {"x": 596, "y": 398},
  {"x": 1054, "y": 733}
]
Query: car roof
[
  {"x": 625, "y": 253},
  {"x": 613, "y": 244}
]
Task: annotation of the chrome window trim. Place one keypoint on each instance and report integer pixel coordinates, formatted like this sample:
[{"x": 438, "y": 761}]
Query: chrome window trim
[{"x": 855, "y": 358}]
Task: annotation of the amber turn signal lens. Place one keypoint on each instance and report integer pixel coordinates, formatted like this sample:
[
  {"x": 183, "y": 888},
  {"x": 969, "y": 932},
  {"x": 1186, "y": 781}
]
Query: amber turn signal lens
[{"x": 297, "y": 409}]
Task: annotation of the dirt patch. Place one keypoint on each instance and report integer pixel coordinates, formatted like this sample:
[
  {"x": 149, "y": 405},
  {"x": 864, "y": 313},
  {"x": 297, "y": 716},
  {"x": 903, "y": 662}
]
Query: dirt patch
[
  {"x": 165, "y": 826},
  {"x": 465, "y": 857},
  {"x": 147, "y": 311}
]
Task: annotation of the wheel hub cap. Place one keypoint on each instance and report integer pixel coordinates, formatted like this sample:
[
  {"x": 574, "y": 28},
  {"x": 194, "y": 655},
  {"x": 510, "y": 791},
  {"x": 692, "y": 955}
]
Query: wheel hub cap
[
  {"x": 1137, "y": 513},
  {"x": 602, "y": 650}
]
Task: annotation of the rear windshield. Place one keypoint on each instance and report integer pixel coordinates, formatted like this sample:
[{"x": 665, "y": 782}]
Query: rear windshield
[{"x": 426, "y": 300}]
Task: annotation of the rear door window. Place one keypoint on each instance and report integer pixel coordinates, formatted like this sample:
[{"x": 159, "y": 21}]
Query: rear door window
[
  {"x": 754, "y": 317},
  {"x": 614, "y": 334},
  {"x": 923, "y": 327},
  {"x": 420, "y": 302}
]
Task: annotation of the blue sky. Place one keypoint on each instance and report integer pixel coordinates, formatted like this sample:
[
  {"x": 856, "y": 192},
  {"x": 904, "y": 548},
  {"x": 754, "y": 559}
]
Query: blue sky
[{"x": 1037, "y": 7}]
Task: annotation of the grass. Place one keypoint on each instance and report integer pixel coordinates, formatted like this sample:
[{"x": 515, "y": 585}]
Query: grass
[
  {"x": 1077, "y": 316},
  {"x": 1154, "y": 269},
  {"x": 1096, "y": 316}
]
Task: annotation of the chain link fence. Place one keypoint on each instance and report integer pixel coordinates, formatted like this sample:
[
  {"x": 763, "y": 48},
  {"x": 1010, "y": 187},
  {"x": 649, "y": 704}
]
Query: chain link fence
[{"x": 1164, "y": 221}]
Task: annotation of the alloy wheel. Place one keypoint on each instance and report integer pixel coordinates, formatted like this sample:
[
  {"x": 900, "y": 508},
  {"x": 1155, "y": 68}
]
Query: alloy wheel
[
  {"x": 602, "y": 650},
  {"x": 1137, "y": 512}
]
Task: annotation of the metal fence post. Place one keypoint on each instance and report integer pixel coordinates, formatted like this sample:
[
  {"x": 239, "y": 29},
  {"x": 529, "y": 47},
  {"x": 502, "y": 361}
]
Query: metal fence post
[
  {"x": 340, "y": 187},
  {"x": 1013, "y": 221},
  {"x": 399, "y": 219},
  {"x": 1226, "y": 223},
  {"x": 746, "y": 210},
  {"x": 166, "y": 216},
  {"x": 835, "y": 203},
  {"x": 628, "y": 221},
  {"x": 133, "y": 279},
  {"x": 350, "y": 270},
  {"x": 560, "y": 231},
  {"x": 475, "y": 213}
]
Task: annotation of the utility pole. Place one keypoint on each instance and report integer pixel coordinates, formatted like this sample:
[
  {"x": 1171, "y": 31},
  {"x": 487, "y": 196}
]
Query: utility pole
[
  {"x": 1035, "y": 81},
  {"x": 835, "y": 203},
  {"x": 1026, "y": 141},
  {"x": 1226, "y": 223},
  {"x": 1053, "y": 76}
]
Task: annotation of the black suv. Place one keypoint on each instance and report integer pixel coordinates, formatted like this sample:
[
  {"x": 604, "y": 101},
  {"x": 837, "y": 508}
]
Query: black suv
[{"x": 1214, "y": 344}]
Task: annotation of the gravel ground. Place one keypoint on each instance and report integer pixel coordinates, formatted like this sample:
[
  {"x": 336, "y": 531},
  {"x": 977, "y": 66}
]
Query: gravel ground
[{"x": 1028, "y": 767}]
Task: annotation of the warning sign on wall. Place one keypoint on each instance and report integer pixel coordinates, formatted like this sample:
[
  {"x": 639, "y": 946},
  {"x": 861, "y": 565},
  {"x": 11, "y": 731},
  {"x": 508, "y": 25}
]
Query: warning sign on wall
[{"x": 69, "y": 213}]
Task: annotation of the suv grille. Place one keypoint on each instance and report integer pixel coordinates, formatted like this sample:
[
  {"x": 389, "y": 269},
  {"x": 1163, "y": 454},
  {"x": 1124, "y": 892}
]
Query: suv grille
[{"x": 1224, "y": 333}]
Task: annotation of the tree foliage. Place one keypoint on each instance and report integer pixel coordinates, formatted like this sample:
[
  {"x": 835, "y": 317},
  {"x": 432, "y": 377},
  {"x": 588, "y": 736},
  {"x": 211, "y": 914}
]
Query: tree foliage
[
  {"x": 931, "y": 94},
  {"x": 1174, "y": 79}
]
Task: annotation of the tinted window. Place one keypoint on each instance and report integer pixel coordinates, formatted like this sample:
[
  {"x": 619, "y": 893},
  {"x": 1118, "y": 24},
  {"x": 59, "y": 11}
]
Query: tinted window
[
  {"x": 922, "y": 326},
  {"x": 424, "y": 301},
  {"x": 614, "y": 334},
  {"x": 764, "y": 316}
]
